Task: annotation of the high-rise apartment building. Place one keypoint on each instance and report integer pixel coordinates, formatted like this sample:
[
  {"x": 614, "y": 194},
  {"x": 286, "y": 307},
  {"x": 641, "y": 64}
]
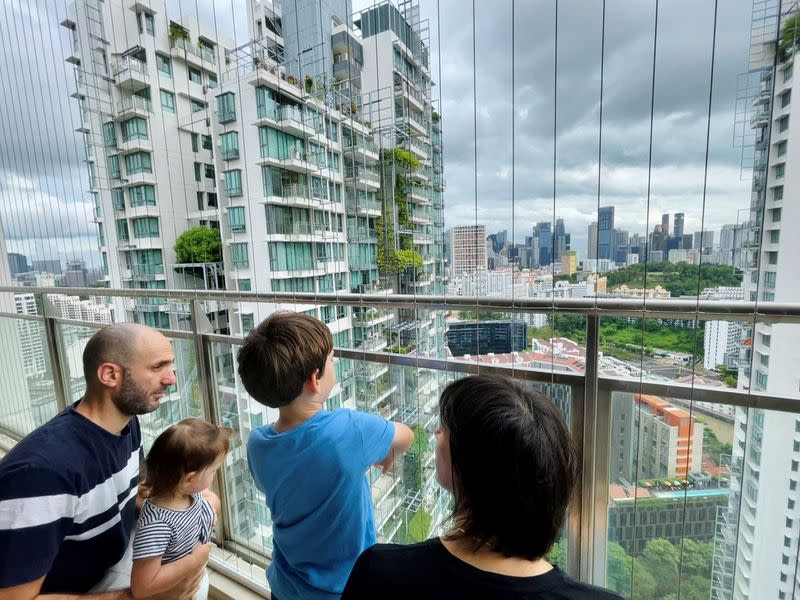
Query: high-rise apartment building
[
  {"x": 756, "y": 549},
  {"x": 733, "y": 244},
  {"x": 145, "y": 86},
  {"x": 331, "y": 180},
  {"x": 468, "y": 248}
]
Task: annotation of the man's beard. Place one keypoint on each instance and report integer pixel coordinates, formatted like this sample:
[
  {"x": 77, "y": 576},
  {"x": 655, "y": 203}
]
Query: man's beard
[{"x": 132, "y": 398}]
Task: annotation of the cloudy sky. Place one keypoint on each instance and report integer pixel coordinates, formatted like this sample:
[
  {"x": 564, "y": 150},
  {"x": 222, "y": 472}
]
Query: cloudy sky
[{"x": 507, "y": 106}]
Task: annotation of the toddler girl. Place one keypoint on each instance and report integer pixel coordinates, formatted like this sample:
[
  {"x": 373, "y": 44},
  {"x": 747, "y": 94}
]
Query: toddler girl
[{"x": 175, "y": 523}]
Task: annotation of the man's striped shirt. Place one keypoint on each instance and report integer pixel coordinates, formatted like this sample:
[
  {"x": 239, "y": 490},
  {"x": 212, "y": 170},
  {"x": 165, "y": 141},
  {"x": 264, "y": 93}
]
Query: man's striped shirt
[
  {"x": 67, "y": 503},
  {"x": 172, "y": 534}
]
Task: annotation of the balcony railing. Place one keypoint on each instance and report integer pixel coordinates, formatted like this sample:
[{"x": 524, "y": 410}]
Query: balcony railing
[{"x": 589, "y": 392}]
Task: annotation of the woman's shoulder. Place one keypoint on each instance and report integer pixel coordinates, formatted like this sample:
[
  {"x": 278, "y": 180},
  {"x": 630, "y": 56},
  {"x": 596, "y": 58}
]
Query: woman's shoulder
[{"x": 388, "y": 558}]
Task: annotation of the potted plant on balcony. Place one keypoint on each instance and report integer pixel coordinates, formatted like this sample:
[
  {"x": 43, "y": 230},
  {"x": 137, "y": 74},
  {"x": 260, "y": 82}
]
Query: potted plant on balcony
[
  {"x": 291, "y": 79},
  {"x": 309, "y": 84}
]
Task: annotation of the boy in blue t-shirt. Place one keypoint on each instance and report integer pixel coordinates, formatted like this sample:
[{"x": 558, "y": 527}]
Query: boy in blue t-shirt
[{"x": 311, "y": 463}]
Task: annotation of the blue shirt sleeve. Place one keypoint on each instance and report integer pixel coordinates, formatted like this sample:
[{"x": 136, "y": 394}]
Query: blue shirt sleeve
[
  {"x": 36, "y": 513},
  {"x": 376, "y": 435}
]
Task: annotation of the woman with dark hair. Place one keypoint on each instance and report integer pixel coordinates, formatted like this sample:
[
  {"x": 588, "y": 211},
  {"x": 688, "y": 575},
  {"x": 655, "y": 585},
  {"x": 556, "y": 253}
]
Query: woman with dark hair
[{"x": 506, "y": 455}]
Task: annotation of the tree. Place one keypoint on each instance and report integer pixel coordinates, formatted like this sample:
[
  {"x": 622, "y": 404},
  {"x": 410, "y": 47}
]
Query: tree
[
  {"x": 619, "y": 569},
  {"x": 198, "y": 245},
  {"x": 558, "y": 554},
  {"x": 790, "y": 36},
  {"x": 662, "y": 560},
  {"x": 419, "y": 525}
]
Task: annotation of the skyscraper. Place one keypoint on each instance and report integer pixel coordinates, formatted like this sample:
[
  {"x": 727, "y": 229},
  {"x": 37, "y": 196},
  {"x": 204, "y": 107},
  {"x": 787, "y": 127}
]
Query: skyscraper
[
  {"x": 665, "y": 224},
  {"x": 621, "y": 246},
  {"x": 591, "y": 247},
  {"x": 677, "y": 229},
  {"x": 544, "y": 235},
  {"x": 605, "y": 232},
  {"x": 561, "y": 240}
]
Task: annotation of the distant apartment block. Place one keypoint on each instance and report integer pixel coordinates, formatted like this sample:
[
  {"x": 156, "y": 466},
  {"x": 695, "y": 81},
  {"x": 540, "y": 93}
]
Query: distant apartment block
[{"x": 468, "y": 248}]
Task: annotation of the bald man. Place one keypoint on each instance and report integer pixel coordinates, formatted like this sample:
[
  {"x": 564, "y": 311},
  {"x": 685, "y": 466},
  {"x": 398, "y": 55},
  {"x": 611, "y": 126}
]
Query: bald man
[{"x": 68, "y": 491}]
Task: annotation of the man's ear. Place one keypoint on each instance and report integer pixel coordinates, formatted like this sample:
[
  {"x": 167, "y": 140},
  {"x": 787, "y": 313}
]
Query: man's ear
[{"x": 109, "y": 375}]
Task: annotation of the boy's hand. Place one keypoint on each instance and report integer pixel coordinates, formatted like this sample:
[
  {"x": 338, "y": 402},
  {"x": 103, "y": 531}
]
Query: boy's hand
[{"x": 386, "y": 464}]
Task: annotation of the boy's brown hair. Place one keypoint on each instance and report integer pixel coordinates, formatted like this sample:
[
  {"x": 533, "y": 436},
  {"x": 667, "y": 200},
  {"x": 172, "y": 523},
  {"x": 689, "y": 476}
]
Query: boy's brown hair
[
  {"x": 188, "y": 445},
  {"x": 280, "y": 355}
]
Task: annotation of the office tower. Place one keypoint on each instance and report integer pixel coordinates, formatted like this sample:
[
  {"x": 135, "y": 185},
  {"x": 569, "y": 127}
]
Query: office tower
[
  {"x": 621, "y": 246},
  {"x": 756, "y": 549},
  {"x": 704, "y": 241},
  {"x": 18, "y": 263},
  {"x": 468, "y": 243},
  {"x": 687, "y": 241},
  {"x": 569, "y": 262},
  {"x": 591, "y": 245},
  {"x": 561, "y": 240},
  {"x": 544, "y": 236},
  {"x": 605, "y": 232},
  {"x": 145, "y": 88},
  {"x": 677, "y": 228},
  {"x": 665, "y": 224},
  {"x": 46, "y": 266}
]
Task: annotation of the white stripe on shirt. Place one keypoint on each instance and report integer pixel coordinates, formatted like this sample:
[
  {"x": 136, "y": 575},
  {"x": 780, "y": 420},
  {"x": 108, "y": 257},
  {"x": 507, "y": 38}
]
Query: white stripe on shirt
[{"x": 19, "y": 513}]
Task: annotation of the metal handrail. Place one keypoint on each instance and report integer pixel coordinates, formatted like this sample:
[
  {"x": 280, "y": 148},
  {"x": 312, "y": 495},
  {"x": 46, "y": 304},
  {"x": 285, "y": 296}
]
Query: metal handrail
[{"x": 729, "y": 310}]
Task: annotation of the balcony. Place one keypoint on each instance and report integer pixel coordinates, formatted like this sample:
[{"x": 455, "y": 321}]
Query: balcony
[
  {"x": 131, "y": 74},
  {"x": 297, "y": 161},
  {"x": 363, "y": 178},
  {"x": 292, "y": 120},
  {"x": 197, "y": 56},
  {"x": 591, "y": 394},
  {"x": 133, "y": 106},
  {"x": 294, "y": 194},
  {"x": 361, "y": 151}
]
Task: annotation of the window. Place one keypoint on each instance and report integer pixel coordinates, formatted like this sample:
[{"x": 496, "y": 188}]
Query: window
[
  {"x": 195, "y": 75},
  {"x": 195, "y": 147},
  {"x": 796, "y": 446},
  {"x": 783, "y": 123},
  {"x": 761, "y": 380},
  {"x": 265, "y": 102},
  {"x": 774, "y": 236},
  {"x": 149, "y": 24},
  {"x": 787, "y": 73},
  {"x": 226, "y": 107},
  {"x": 207, "y": 145},
  {"x": 198, "y": 171},
  {"x": 212, "y": 81},
  {"x": 777, "y": 192},
  {"x": 781, "y": 148},
  {"x": 118, "y": 198},
  {"x": 233, "y": 182},
  {"x": 142, "y": 195},
  {"x": 236, "y": 218},
  {"x": 197, "y": 106},
  {"x": 772, "y": 258},
  {"x": 790, "y": 504},
  {"x": 145, "y": 227},
  {"x": 212, "y": 200},
  {"x": 168, "y": 101},
  {"x": 290, "y": 256},
  {"x": 134, "y": 129},
  {"x": 164, "y": 65},
  {"x": 764, "y": 359},
  {"x": 780, "y": 170},
  {"x": 122, "y": 230},
  {"x": 766, "y": 339},
  {"x": 113, "y": 167},
  {"x": 109, "y": 134},
  {"x": 244, "y": 285},
  {"x": 786, "y": 98},
  {"x": 795, "y": 466},
  {"x": 229, "y": 143},
  {"x": 200, "y": 204},
  {"x": 248, "y": 323},
  {"x": 210, "y": 173},
  {"x": 776, "y": 215},
  {"x": 138, "y": 162},
  {"x": 769, "y": 278},
  {"x": 239, "y": 254}
]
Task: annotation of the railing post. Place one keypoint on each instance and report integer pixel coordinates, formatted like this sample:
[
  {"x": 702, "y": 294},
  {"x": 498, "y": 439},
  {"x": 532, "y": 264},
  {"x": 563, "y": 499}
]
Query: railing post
[
  {"x": 53, "y": 354},
  {"x": 587, "y": 450},
  {"x": 205, "y": 375}
]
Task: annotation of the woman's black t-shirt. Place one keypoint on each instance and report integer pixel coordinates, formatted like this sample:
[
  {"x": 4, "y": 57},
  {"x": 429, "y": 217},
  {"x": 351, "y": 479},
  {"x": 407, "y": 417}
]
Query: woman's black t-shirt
[{"x": 428, "y": 570}]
